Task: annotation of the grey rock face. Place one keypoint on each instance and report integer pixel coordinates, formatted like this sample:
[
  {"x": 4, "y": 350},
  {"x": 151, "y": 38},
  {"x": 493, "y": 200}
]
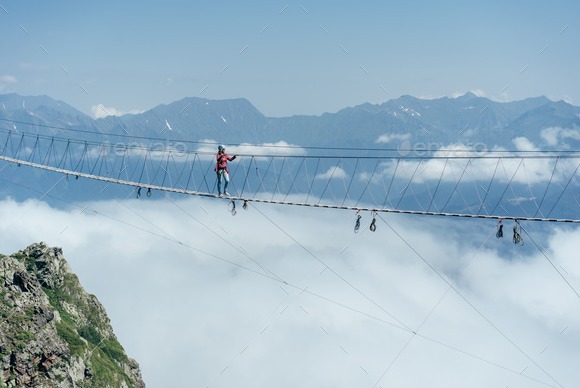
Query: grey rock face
[{"x": 52, "y": 333}]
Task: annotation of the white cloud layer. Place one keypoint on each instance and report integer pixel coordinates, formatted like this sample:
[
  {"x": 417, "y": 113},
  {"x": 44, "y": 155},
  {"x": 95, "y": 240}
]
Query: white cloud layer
[
  {"x": 6, "y": 81},
  {"x": 556, "y": 136},
  {"x": 100, "y": 111},
  {"x": 524, "y": 144},
  {"x": 278, "y": 148},
  {"x": 259, "y": 151},
  {"x": 509, "y": 168},
  {"x": 389, "y": 137},
  {"x": 291, "y": 297},
  {"x": 333, "y": 173}
]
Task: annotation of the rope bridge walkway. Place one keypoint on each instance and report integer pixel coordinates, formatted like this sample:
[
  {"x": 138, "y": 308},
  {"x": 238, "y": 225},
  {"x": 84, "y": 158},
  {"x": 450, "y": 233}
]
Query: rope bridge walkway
[{"x": 530, "y": 186}]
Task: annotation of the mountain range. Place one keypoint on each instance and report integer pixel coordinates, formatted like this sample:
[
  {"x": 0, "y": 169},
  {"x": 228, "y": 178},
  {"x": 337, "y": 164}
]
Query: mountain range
[{"x": 467, "y": 119}]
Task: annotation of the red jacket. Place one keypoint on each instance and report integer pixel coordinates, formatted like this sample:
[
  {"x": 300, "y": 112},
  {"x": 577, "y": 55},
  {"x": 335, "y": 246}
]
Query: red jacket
[{"x": 222, "y": 161}]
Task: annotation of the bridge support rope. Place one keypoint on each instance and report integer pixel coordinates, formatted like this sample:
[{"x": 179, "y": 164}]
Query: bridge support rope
[{"x": 280, "y": 202}]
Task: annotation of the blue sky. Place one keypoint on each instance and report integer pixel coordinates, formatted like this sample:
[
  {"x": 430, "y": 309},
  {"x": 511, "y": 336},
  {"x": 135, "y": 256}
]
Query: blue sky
[{"x": 287, "y": 57}]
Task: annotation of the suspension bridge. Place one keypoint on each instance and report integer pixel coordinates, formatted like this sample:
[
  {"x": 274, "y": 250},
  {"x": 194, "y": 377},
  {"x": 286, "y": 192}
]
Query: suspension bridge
[{"x": 455, "y": 182}]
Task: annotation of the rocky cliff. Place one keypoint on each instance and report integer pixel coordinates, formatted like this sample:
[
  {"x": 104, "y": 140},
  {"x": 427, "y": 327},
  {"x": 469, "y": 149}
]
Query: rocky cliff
[{"x": 52, "y": 333}]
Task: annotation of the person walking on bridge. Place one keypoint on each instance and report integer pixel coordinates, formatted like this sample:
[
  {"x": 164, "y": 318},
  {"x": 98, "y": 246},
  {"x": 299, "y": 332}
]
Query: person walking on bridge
[{"x": 221, "y": 168}]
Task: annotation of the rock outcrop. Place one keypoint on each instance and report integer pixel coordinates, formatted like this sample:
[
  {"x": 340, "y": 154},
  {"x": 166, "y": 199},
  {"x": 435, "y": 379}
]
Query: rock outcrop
[{"x": 52, "y": 333}]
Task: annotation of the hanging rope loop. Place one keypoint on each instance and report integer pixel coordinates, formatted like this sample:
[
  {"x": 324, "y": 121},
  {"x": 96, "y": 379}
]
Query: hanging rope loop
[
  {"x": 357, "y": 223},
  {"x": 517, "y": 234},
  {"x": 139, "y": 192},
  {"x": 232, "y": 207},
  {"x": 373, "y": 226},
  {"x": 245, "y": 205},
  {"x": 499, "y": 233},
  {"x": 149, "y": 192}
]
